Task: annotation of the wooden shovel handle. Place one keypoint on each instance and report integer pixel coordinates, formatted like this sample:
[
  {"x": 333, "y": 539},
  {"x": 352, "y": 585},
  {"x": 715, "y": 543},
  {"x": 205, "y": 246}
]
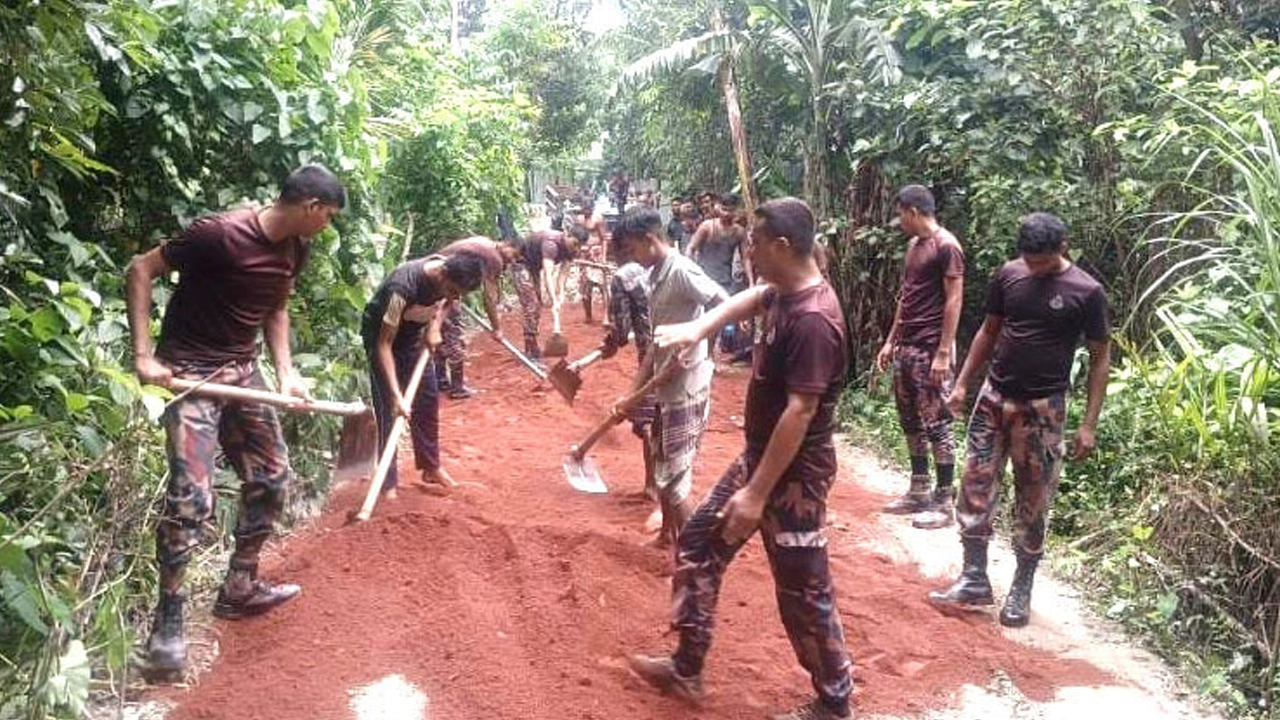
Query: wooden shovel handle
[
  {"x": 393, "y": 439},
  {"x": 669, "y": 369},
  {"x": 266, "y": 397}
]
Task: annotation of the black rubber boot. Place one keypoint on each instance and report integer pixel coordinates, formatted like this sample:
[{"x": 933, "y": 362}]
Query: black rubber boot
[
  {"x": 972, "y": 590},
  {"x": 166, "y": 659},
  {"x": 940, "y": 511},
  {"x": 916, "y": 500},
  {"x": 1017, "y": 604}
]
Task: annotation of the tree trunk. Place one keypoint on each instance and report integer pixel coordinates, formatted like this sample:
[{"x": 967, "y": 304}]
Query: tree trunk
[
  {"x": 817, "y": 170},
  {"x": 737, "y": 132}
]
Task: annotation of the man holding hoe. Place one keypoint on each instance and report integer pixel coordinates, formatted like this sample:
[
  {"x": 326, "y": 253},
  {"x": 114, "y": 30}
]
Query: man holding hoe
[{"x": 236, "y": 271}]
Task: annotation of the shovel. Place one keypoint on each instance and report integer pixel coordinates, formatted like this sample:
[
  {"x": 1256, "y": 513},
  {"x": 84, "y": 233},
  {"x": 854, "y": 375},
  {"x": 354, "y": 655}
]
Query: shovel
[
  {"x": 357, "y": 445},
  {"x": 393, "y": 439},
  {"x": 578, "y": 468},
  {"x": 556, "y": 345},
  {"x": 566, "y": 377},
  {"x": 524, "y": 360}
]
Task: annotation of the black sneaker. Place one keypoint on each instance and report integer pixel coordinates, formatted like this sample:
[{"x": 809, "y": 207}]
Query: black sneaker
[
  {"x": 660, "y": 672},
  {"x": 261, "y": 598}
]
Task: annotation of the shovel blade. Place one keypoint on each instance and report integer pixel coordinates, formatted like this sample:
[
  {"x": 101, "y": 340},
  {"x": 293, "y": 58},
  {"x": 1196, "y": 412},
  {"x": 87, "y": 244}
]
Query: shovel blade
[
  {"x": 557, "y": 346},
  {"x": 357, "y": 448},
  {"x": 583, "y": 475},
  {"x": 565, "y": 381}
]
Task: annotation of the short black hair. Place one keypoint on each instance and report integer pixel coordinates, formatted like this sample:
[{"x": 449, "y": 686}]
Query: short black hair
[
  {"x": 1041, "y": 232},
  {"x": 790, "y": 218},
  {"x": 313, "y": 182},
  {"x": 730, "y": 200},
  {"x": 918, "y": 197},
  {"x": 637, "y": 222},
  {"x": 464, "y": 270},
  {"x": 579, "y": 232}
]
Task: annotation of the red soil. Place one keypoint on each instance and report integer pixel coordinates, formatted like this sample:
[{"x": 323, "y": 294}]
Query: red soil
[{"x": 521, "y": 599}]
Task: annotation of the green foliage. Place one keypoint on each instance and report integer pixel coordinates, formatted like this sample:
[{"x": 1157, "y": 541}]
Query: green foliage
[{"x": 124, "y": 121}]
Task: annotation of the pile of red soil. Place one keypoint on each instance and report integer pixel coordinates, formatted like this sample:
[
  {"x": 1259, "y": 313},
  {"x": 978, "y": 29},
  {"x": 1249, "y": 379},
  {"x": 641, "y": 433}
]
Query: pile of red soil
[{"x": 521, "y": 599}]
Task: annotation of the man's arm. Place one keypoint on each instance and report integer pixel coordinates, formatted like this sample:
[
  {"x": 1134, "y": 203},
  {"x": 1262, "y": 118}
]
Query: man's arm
[
  {"x": 699, "y": 236},
  {"x": 144, "y": 269},
  {"x": 743, "y": 512},
  {"x": 492, "y": 290},
  {"x": 953, "y": 291},
  {"x": 1099, "y": 371},
  {"x": 748, "y": 303},
  {"x": 551, "y": 281},
  {"x": 387, "y": 365},
  {"x": 984, "y": 343},
  {"x": 743, "y": 244},
  {"x": 435, "y": 328},
  {"x": 275, "y": 329}
]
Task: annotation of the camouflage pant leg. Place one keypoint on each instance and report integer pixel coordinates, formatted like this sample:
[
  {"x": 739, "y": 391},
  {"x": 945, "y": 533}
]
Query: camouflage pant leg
[
  {"x": 702, "y": 556},
  {"x": 922, "y": 405},
  {"x": 251, "y": 438},
  {"x": 794, "y": 534},
  {"x": 453, "y": 346},
  {"x": 530, "y": 306},
  {"x": 1029, "y": 434},
  {"x": 1036, "y": 449},
  {"x": 629, "y": 313},
  {"x": 255, "y": 448}
]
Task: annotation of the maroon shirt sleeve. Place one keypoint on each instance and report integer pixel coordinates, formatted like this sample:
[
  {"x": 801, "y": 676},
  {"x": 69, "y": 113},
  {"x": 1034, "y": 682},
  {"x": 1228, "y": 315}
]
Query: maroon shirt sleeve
[
  {"x": 1096, "y": 324},
  {"x": 995, "y": 294},
  {"x": 951, "y": 258},
  {"x": 814, "y": 355},
  {"x": 196, "y": 248}
]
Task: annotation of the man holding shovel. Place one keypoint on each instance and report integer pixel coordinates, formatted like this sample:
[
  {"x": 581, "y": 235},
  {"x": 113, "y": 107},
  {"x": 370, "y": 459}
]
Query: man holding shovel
[
  {"x": 494, "y": 258},
  {"x": 236, "y": 272},
  {"x": 779, "y": 484},
  {"x": 542, "y": 267},
  {"x": 406, "y": 313},
  {"x": 679, "y": 292}
]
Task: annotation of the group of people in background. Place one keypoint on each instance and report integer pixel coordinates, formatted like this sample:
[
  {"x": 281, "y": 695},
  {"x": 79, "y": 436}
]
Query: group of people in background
[{"x": 755, "y": 281}]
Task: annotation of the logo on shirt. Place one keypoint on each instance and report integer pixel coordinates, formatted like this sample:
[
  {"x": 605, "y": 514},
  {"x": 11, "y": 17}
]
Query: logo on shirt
[{"x": 1057, "y": 303}]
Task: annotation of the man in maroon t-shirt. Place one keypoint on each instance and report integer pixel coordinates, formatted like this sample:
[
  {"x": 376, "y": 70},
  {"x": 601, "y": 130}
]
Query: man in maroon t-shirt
[
  {"x": 494, "y": 258},
  {"x": 1038, "y": 307},
  {"x": 780, "y": 482},
  {"x": 919, "y": 345},
  {"x": 236, "y": 271}
]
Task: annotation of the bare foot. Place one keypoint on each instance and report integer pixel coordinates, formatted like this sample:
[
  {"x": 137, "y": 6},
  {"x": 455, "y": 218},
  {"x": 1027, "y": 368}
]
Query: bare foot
[
  {"x": 390, "y": 494},
  {"x": 654, "y": 522},
  {"x": 436, "y": 482}
]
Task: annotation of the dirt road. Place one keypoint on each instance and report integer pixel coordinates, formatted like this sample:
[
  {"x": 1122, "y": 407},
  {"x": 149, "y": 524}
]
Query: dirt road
[{"x": 520, "y": 598}]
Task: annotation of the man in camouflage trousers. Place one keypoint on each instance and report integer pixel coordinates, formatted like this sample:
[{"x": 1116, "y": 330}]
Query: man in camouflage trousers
[
  {"x": 919, "y": 346},
  {"x": 236, "y": 271},
  {"x": 1038, "y": 307},
  {"x": 779, "y": 484}
]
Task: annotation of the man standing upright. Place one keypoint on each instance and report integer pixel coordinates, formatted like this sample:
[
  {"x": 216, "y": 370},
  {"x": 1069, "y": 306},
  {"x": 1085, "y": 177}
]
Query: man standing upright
[
  {"x": 679, "y": 292},
  {"x": 920, "y": 346},
  {"x": 596, "y": 251},
  {"x": 236, "y": 271},
  {"x": 780, "y": 482},
  {"x": 714, "y": 246},
  {"x": 1038, "y": 307}
]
